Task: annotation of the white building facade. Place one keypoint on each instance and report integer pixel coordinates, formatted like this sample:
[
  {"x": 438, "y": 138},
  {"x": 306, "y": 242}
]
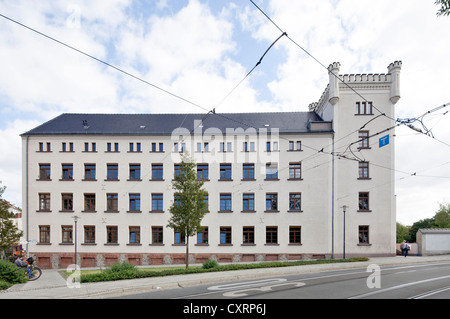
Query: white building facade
[{"x": 277, "y": 183}]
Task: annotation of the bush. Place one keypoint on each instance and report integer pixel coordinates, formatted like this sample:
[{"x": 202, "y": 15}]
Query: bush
[
  {"x": 129, "y": 271},
  {"x": 4, "y": 285},
  {"x": 118, "y": 267},
  {"x": 211, "y": 263},
  {"x": 11, "y": 273}
]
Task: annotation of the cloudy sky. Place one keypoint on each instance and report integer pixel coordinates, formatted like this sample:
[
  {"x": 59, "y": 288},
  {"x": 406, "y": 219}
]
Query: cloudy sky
[{"x": 200, "y": 50}]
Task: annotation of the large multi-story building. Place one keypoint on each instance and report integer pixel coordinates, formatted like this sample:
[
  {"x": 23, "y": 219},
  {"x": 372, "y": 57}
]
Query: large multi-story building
[{"x": 278, "y": 183}]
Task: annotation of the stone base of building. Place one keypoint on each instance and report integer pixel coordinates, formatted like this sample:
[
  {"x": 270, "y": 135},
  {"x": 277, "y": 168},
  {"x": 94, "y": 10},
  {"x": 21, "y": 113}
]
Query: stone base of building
[{"x": 102, "y": 260}]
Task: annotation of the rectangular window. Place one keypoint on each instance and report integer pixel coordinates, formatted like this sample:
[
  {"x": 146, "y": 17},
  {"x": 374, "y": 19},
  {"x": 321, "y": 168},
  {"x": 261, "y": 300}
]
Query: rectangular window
[
  {"x": 44, "y": 171},
  {"x": 363, "y": 234},
  {"x": 225, "y": 202},
  {"x": 179, "y": 240},
  {"x": 295, "y": 170},
  {"x": 248, "y": 171},
  {"x": 202, "y": 172},
  {"x": 248, "y": 202},
  {"x": 157, "y": 172},
  {"x": 44, "y": 234},
  {"x": 135, "y": 234},
  {"x": 364, "y": 108},
  {"x": 272, "y": 171},
  {"x": 44, "y": 202},
  {"x": 271, "y": 235},
  {"x": 295, "y": 235},
  {"x": 363, "y": 170},
  {"x": 112, "y": 202},
  {"x": 157, "y": 202},
  {"x": 161, "y": 147},
  {"x": 135, "y": 202},
  {"x": 112, "y": 172},
  {"x": 67, "y": 172},
  {"x": 363, "y": 139},
  {"x": 248, "y": 235},
  {"x": 177, "y": 170},
  {"x": 272, "y": 202},
  {"x": 67, "y": 202},
  {"x": 89, "y": 202},
  {"x": 67, "y": 232},
  {"x": 205, "y": 200},
  {"x": 295, "y": 202},
  {"x": 135, "y": 172},
  {"x": 225, "y": 171},
  {"x": 89, "y": 234},
  {"x": 112, "y": 234},
  {"x": 225, "y": 236},
  {"x": 89, "y": 172},
  {"x": 202, "y": 237},
  {"x": 157, "y": 235},
  {"x": 363, "y": 203}
]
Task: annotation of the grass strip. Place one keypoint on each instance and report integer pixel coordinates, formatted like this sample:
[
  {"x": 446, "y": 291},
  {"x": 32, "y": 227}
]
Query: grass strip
[{"x": 120, "y": 273}]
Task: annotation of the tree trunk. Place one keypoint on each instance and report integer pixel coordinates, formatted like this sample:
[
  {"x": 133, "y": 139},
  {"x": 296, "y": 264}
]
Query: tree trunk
[{"x": 187, "y": 252}]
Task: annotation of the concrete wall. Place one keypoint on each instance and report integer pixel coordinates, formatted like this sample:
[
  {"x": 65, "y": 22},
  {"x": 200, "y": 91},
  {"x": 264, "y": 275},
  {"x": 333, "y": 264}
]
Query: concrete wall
[{"x": 433, "y": 241}]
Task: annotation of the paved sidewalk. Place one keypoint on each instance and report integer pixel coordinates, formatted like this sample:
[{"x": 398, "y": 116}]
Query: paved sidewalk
[{"x": 52, "y": 285}]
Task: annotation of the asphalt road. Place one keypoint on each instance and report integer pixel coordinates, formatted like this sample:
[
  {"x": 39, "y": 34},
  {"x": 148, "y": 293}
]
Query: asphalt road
[{"x": 418, "y": 281}]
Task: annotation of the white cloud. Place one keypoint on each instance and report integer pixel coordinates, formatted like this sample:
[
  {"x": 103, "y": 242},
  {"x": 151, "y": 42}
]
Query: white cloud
[{"x": 194, "y": 53}]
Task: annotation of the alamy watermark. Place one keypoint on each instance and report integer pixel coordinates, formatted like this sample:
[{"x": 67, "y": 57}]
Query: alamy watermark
[
  {"x": 374, "y": 279},
  {"x": 235, "y": 145},
  {"x": 73, "y": 280}
]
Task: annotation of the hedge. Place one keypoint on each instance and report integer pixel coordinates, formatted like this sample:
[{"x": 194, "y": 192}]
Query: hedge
[
  {"x": 10, "y": 274},
  {"x": 131, "y": 272}
]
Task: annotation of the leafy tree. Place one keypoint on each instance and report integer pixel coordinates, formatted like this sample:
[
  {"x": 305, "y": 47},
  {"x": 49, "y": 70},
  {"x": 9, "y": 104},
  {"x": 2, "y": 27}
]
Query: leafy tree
[
  {"x": 423, "y": 223},
  {"x": 9, "y": 233},
  {"x": 445, "y": 7},
  {"x": 403, "y": 233},
  {"x": 189, "y": 206},
  {"x": 442, "y": 217}
]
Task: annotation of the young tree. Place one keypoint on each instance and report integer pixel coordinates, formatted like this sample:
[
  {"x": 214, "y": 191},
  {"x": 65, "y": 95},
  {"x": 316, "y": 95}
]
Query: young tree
[
  {"x": 445, "y": 7},
  {"x": 442, "y": 217},
  {"x": 189, "y": 206},
  {"x": 9, "y": 233}
]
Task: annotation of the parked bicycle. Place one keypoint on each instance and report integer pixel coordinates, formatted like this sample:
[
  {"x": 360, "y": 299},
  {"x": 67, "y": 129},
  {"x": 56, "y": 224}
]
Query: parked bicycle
[{"x": 33, "y": 271}]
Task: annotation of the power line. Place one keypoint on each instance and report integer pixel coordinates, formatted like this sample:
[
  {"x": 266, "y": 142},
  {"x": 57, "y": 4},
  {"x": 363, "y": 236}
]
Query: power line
[
  {"x": 105, "y": 63},
  {"x": 319, "y": 62}
]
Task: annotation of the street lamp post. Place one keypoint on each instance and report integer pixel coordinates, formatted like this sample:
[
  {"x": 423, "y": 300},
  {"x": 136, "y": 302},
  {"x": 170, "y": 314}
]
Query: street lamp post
[
  {"x": 75, "y": 218},
  {"x": 344, "y": 208}
]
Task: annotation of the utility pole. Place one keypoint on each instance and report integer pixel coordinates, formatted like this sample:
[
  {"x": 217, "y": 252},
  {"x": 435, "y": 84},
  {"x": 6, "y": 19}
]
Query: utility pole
[
  {"x": 75, "y": 218},
  {"x": 344, "y": 208}
]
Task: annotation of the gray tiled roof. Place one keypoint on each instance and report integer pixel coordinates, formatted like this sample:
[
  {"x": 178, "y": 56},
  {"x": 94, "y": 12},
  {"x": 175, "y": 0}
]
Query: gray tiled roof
[{"x": 165, "y": 124}]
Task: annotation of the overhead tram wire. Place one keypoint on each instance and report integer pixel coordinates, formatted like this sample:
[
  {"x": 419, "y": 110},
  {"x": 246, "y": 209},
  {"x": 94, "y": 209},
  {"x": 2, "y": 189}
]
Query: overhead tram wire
[
  {"x": 104, "y": 62},
  {"x": 156, "y": 86},
  {"x": 319, "y": 62},
  {"x": 248, "y": 74}
]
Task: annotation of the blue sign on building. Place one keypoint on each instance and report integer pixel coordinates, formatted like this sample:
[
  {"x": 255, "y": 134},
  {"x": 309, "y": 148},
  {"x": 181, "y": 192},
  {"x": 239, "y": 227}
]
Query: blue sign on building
[{"x": 384, "y": 141}]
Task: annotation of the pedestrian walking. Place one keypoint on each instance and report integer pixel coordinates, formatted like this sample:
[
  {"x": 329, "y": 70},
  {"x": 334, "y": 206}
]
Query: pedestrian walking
[
  {"x": 402, "y": 247},
  {"x": 407, "y": 248}
]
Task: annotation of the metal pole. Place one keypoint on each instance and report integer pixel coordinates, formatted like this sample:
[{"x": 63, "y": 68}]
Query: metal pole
[
  {"x": 76, "y": 220},
  {"x": 344, "y": 207}
]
